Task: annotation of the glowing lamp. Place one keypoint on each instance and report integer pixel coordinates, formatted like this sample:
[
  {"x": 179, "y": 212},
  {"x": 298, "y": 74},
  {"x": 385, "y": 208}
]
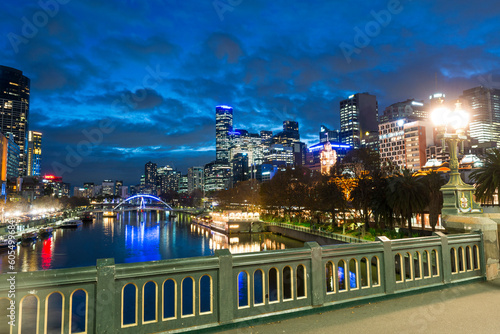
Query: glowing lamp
[{"x": 439, "y": 116}]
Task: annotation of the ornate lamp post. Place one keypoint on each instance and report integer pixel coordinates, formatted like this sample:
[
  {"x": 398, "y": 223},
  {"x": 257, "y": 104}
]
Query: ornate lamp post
[{"x": 457, "y": 195}]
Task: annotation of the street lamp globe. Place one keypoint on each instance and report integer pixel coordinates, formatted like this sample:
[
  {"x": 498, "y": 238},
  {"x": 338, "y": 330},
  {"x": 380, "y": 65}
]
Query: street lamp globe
[
  {"x": 439, "y": 116},
  {"x": 457, "y": 195}
]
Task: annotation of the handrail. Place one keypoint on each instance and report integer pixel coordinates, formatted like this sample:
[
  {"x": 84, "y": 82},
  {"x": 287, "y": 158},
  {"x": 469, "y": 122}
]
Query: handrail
[{"x": 327, "y": 234}]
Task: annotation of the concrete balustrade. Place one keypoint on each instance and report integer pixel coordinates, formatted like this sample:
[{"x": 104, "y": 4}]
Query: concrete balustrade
[{"x": 227, "y": 289}]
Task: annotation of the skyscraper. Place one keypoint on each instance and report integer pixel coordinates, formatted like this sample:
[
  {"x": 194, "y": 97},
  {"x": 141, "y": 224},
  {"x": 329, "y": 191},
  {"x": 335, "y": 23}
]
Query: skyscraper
[
  {"x": 150, "y": 175},
  {"x": 358, "y": 115},
  {"x": 195, "y": 178},
  {"x": 223, "y": 126},
  {"x": 483, "y": 105},
  {"x": 34, "y": 156},
  {"x": 14, "y": 109}
]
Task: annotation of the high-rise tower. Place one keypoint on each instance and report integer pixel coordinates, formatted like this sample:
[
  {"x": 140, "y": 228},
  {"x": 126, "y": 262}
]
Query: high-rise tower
[
  {"x": 34, "y": 154},
  {"x": 14, "y": 109},
  {"x": 223, "y": 126},
  {"x": 358, "y": 116},
  {"x": 484, "y": 109}
]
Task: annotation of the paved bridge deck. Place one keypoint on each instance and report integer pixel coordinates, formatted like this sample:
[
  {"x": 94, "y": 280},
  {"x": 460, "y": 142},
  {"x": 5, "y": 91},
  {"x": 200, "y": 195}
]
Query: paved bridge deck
[{"x": 467, "y": 308}]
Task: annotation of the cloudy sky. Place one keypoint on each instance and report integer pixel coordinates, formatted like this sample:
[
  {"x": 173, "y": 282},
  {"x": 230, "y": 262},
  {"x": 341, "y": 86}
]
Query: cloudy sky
[{"x": 115, "y": 84}]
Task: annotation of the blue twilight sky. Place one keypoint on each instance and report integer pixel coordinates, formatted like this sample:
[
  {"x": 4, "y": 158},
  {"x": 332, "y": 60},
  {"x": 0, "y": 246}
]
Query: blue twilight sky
[{"x": 142, "y": 78}]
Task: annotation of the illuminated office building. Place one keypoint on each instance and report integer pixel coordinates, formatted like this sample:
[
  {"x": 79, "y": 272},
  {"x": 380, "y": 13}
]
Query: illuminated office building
[
  {"x": 409, "y": 109},
  {"x": 34, "y": 155},
  {"x": 223, "y": 127},
  {"x": 182, "y": 188},
  {"x": 483, "y": 105},
  {"x": 403, "y": 143},
  {"x": 358, "y": 115},
  {"x": 436, "y": 100},
  {"x": 150, "y": 175},
  {"x": 326, "y": 134},
  {"x": 195, "y": 178},
  {"x": 14, "y": 109},
  {"x": 217, "y": 177}
]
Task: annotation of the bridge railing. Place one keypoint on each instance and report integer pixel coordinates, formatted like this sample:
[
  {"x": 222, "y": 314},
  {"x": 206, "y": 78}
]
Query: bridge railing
[
  {"x": 340, "y": 237},
  {"x": 194, "y": 293}
]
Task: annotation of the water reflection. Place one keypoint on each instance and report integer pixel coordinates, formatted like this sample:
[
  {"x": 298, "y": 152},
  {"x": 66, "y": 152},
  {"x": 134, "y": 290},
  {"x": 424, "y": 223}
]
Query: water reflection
[{"x": 134, "y": 237}]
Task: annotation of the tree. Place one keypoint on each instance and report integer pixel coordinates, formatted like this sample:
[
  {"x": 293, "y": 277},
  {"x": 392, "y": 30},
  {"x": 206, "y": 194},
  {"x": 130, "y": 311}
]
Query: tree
[
  {"x": 380, "y": 206},
  {"x": 407, "y": 195},
  {"x": 361, "y": 197},
  {"x": 487, "y": 178},
  {"x": 434, "y": 182},
  {"x": 328, "y": 197}
]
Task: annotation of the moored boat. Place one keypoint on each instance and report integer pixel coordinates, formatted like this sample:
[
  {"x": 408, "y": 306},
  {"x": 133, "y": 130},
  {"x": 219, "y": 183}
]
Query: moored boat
[
  {"x": 45, "y": 231},
  {"x": 87, "y": 217},
  {"x": 29, "y": 236},
  {"x": 73, "y": 223},
  {"x": 4, "y": 243}
]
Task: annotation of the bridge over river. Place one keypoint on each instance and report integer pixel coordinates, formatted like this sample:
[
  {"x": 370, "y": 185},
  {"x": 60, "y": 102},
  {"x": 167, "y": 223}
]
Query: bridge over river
[{"x": 140, "y": 202}]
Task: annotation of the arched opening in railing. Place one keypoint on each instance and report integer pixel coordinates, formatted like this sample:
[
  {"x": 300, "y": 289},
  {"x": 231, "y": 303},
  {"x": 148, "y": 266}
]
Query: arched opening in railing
[
  {"x": 258, "y": 287},
  {"x": 169, "y": 299},
  {"x": 330, "y": 277},
  {"x": 187, "y": 298},
  {"x": 205, "y": 294},
  {"x": 129, "y": 305},
  {"x": 54, "y": 313},
  {"x": 149, "y": 302},
  {"x": 301, "y": 281},
  {"x": 273, "y": 285},
  {"x": 30, "y": 306},
  {"x": 243, "y": 290}
]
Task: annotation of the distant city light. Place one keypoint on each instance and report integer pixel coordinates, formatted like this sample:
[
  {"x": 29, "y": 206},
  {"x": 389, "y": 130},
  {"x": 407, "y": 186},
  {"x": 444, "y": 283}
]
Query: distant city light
[{"x": 224, "y": 107}]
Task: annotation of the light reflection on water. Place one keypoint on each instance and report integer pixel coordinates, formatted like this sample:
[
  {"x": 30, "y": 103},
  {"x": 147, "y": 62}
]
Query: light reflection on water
[{"x": 134, "y": 237}]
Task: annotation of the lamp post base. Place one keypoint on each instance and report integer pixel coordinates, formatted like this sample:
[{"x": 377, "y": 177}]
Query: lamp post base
[{"x": 458, "y": 200}]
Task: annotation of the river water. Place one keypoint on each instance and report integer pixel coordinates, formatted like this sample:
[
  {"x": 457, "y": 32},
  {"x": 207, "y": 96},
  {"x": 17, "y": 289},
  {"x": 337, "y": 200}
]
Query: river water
[{"x": 134, "y": 237}]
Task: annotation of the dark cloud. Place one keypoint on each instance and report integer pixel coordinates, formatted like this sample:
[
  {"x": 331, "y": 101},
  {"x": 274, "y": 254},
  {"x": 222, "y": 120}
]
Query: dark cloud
[{"x": 158, "y": 68}]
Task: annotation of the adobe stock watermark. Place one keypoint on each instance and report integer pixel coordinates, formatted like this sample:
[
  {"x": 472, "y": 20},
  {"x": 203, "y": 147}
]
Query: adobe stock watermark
[
  {"x": 421, "y": 320},
  {"x": 363, "y": 36},
  {"x": 31, "y": 26},
  {"x": 283, "y": 115},
  {"x": 491, "y": 80},
  {"x": 222, "y": 6},
  {"x": 94, "y": 136}
]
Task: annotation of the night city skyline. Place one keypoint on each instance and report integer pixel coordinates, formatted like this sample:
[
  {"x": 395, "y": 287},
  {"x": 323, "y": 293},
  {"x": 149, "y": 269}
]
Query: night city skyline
[{"x": 151, "y": 73}]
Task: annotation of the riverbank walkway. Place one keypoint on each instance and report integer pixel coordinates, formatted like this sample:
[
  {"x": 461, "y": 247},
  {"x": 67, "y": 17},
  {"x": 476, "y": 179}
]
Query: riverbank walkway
[{"x": 466, "y": 308}]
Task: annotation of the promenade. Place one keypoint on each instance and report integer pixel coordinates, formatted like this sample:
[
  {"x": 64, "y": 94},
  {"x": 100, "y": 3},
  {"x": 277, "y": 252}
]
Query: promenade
[{"x": 468, "y": 308}]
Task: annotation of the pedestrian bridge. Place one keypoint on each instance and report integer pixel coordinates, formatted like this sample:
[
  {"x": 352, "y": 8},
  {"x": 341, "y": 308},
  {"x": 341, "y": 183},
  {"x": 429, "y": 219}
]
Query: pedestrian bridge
[
  {"x": 142, "y": 202},
  {"x": 230, "y": 289}
]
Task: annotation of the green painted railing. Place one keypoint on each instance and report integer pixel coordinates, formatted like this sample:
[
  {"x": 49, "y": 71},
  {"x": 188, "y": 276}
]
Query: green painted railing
[
  {"x": 326, "y": 234},
  {"x": 206, "y": 292}
]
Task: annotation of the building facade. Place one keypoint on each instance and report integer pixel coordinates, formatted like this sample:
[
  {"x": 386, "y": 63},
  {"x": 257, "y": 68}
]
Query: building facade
[
  {"x": 195, "y": 178},
  {"x": 150, "y": 175},
  {"x": 403, "y": 143},
  {"x": 409, "y": 109},
  {"x": 217, "y": 177},
  {"x": 223, "y": 127},
  {"x": 14, "y": 109},
  {"x": 34, "y": 154},
  {"x": 483, "y": 105},
  {"x": 358, "y": 115}
]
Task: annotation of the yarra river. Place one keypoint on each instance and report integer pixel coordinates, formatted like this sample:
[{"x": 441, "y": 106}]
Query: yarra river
[{"x": 134, "y": 237}]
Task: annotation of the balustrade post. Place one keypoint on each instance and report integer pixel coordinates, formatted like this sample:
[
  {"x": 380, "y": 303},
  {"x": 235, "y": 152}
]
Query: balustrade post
[
  {"x": 226, "y": 286},
  {"x": 445, "y": 257},
  {"x": 107, "y": 317},
  {"x": 389, "y": 266},
  {"x": 317, "y": 272}
]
